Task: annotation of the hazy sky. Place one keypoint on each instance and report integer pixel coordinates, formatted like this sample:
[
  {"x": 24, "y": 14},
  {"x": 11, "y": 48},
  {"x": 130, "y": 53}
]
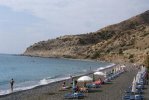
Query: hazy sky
[{"x": 24, "y": 22}]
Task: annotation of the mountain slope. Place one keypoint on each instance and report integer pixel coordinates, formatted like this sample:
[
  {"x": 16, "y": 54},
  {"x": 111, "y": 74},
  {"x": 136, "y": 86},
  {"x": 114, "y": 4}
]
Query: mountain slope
[{"x": 125, "y": 41}]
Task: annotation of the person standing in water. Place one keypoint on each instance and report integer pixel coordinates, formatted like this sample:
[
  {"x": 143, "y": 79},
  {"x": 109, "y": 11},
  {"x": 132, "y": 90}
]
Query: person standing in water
[{"x": 11, "y": 84}]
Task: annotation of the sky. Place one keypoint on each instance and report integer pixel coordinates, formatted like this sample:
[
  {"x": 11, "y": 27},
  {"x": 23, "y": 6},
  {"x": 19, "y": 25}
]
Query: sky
[{"x": 25, "y": 22}]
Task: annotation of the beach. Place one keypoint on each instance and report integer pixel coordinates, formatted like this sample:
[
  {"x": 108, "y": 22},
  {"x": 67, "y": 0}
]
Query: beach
[{"x": 113, "y": 91}]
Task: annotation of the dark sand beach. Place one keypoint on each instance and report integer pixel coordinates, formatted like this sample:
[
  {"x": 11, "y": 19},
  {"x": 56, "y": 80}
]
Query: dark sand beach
[{"x": 113, "y": 91}]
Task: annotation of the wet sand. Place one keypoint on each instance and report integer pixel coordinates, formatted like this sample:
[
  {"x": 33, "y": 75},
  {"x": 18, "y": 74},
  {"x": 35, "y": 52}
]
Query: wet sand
[{"x": 113, "y": 91}]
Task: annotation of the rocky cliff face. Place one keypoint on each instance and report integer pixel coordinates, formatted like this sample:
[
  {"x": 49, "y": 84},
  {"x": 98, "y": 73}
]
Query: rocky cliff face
[{"x": 125, "y": 41}]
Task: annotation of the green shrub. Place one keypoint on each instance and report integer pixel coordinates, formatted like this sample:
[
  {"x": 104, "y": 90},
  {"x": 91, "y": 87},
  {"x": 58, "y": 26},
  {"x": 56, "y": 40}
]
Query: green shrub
[
  {"x": 95, "y": 55},
  {"x": 131, "y": 56},
  {"x": 120, "y": 51},
  {"x": 131, "y": 60}
]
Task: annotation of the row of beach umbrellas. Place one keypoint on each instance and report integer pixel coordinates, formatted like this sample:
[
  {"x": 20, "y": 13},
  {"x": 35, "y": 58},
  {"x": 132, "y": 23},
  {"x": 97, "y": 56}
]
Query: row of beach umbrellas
[
  {"x": 86, "y": 79},
  {"x": 100, "y": 73},
  {"x": 137, "y": 78}
]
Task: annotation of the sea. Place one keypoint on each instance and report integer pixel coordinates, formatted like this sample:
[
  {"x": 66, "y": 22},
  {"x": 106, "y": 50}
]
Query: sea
[{"x": 29, "y": 72}]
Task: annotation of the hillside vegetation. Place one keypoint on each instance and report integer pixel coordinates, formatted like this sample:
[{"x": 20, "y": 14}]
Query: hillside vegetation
[{"x": 126, "y": 41}]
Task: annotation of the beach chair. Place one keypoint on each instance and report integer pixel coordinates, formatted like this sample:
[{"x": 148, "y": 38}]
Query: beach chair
[
  {"x": 107, "y": 81},
  {"x": 133, "y": 97},
  {"x": 142, "y": 82},
  {"x": 140, "y": 87},
  {"x": 139, "y": 97},
  {"x": 93, "y": 85},
  {"x": 129, "y": 91},
  {"x": 74, "y": 96},
  {"x": 126, "y": 97}
]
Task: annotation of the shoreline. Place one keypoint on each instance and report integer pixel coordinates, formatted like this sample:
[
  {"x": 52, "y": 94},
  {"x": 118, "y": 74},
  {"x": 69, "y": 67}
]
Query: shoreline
[
  {"x": 83, "y": 59},
  {"x": 71, "y": 58}
]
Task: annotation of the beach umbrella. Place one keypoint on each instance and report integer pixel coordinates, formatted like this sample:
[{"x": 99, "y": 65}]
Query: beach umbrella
[
  {"x": 133, "y": 86},
  {"x": 123, "y": 66},
  {"x": 113, "y": 71},
  {"x": 138, "y": 77},
  {"x": 99, "y": 73},
  {"x": 93, "y": 78},
  {"x": 119, "y": 68},
  {"x": 134, "y": 81},
  {"x": 106, "y": 75},
  {"x": 85, "y": 79},
  {"x": 116, "y": 69},
  {"x": 73, "y": 86},
  {"x": 143, "y": 69}
]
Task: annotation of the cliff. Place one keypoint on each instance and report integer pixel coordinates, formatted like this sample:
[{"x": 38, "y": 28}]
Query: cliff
[{"x": 125, "y": 41}]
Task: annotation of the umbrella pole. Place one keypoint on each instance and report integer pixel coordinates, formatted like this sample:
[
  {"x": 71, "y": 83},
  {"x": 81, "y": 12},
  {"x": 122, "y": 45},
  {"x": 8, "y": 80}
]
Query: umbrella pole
[{"x": 93, "y": 77}]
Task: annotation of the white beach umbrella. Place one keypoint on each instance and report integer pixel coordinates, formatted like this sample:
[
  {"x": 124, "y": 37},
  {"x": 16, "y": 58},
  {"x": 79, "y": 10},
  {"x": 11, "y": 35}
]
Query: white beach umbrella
[
  {"x": 106, "y": 74},
  {"x": 119, "y": 68},
  {"x": 143, "y": 69},
  {"x": 134, "y": 86},
  {"x": 138, "y": 77},
  {"x": 123, "y": 66},
  {"x": 99, "y": 73},
  {"x": 115, "y": 71},
  {"x": 134, "y": 81},
  {"x": 85, "y": 79}
]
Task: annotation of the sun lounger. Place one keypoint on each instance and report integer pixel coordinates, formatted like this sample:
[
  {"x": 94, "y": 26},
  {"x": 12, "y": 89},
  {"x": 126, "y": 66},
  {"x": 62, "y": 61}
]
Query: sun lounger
[
  {"x": 140, "y": 87},
  {"x": 138, "y": 91},
  {"x": 133, "y": 97},
  {"x": 74, "y": 96},
  {"x": 139, "y": 97},
  {"x": 93, "y": 85}
]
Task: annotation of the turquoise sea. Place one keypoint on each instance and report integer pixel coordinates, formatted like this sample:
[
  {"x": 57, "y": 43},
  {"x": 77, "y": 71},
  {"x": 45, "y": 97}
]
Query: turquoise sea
[{"x": 29, "y": 72}]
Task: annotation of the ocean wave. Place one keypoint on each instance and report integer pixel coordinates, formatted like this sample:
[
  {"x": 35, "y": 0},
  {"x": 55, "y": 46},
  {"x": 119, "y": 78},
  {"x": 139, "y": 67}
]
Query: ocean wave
[
  {"x": 106, "y": 67},
  {"x": 8, "y": 91},
  {"x": 33, "y": 84}
]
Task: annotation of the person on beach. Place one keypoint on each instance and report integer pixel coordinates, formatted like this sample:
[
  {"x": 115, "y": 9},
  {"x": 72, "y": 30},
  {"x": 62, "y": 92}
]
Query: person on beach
[
  {"x": 11, "y": 84},
  {"x": 76, "y": 89},
  {"x": 63, "y": 85},
  {"x": 71, "y": 79}
]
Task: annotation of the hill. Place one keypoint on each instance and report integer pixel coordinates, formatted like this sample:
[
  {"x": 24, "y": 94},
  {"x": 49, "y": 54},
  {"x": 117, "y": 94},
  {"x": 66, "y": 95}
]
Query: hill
[{"x": 125, "y": 41}]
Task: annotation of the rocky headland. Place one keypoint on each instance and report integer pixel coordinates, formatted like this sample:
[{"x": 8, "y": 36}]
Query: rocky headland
[{"x": 127, "y": 41}]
